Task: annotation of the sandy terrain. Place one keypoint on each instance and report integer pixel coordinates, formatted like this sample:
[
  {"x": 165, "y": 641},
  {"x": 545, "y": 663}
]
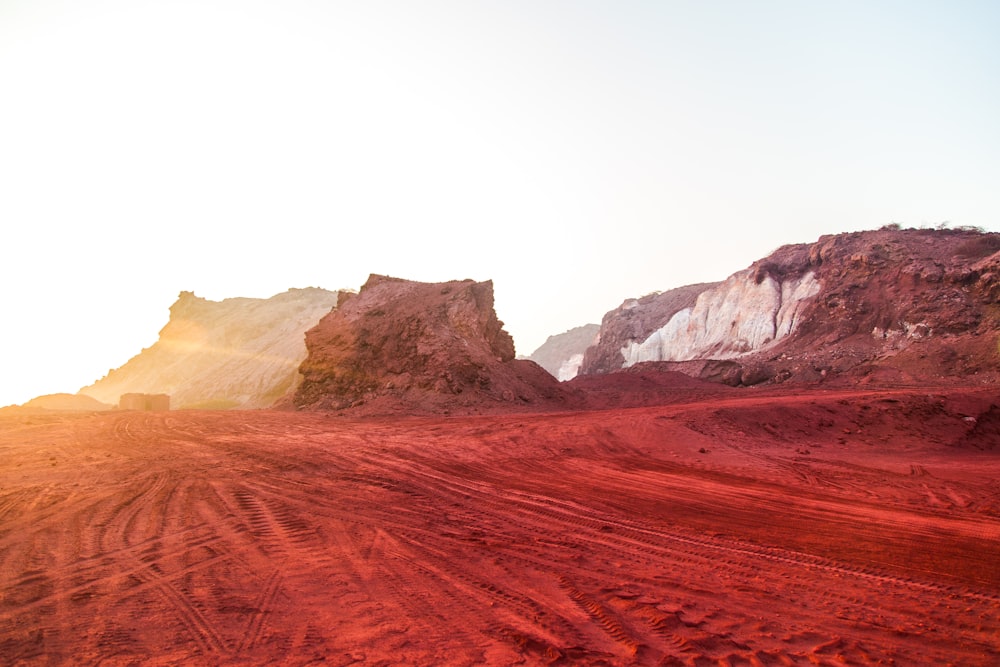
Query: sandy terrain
[{"x": 814, "y": 528}]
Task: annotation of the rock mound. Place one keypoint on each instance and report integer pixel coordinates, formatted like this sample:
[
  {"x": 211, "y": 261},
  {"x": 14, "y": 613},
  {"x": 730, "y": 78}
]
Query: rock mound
[
  {"x": 400, "y": 346},
  {"x": 235, "y": 353}
]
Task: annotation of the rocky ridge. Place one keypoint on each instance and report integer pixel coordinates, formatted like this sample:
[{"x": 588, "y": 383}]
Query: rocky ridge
[
  {"x": 235, "y": 353},
  {"x": 890, "y": 305}
]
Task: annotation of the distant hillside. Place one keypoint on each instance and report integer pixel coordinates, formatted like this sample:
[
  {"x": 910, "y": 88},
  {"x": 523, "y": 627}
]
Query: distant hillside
[
  {"x": 562, "y": 354},
  {"x": 59, "y": 403},
  {"x": 891, "y": 305},
  {"x": 235, "y": 353}
]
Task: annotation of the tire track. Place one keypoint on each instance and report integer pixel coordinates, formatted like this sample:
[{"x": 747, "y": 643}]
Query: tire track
[
  {"x": 601, "y": 616},
  {"x": 547, "y": 510},
  {"x": 600, "y": 533},
  {"x": 472, "y": 584},
  {"x": 262, "y": 604},
  {"x": 254, "y": 540},
  {"x": 137, "y": 579},
  {"x": 200, "y": 629},
  {"x": 276, "y": 529}
]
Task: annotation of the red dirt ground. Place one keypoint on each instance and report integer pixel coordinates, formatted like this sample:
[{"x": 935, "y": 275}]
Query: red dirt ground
[{"x": 750, "y": 528}]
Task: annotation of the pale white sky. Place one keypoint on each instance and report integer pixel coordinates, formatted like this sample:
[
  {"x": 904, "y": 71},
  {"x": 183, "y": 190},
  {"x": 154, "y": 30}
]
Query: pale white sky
[{"x": 575, "y": 152}]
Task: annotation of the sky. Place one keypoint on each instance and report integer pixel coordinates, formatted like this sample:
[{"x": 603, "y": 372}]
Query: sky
[{"x": 577, "y": 153}]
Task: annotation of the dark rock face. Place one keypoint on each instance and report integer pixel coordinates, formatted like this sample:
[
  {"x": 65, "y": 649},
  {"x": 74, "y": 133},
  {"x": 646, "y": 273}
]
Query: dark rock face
[
  {"x": 634, "y": 321},
  {"x": 401, "y": 346}
]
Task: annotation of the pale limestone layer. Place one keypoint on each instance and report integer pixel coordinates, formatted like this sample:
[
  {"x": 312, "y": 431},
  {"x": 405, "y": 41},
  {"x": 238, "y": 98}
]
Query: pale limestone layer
[{"x": 734, "y": 318}]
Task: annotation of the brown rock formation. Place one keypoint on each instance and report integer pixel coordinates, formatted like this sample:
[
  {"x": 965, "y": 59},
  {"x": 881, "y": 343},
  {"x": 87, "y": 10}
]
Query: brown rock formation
[{"x": 404, "y": 346}]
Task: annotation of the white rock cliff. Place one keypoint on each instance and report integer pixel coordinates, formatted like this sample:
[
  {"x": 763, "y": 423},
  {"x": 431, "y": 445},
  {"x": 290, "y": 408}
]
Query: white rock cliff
[{"x": 737, "y": 317}]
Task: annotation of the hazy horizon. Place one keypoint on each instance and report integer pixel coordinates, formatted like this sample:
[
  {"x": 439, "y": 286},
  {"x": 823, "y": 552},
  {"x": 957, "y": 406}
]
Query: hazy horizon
[{"x": 576, "y": 153}]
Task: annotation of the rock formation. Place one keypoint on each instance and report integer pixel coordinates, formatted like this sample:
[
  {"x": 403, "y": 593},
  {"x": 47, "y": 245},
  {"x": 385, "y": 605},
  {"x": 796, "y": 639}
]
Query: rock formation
[
  {"x": 562, "y": 354},
  {"x": 747, "y": 312},
  {"x": 235, "y": 353},
  {"x": 634, "y": 321},
  {"x": 891, "y": 305},
  {"x": 410, "y": 347}
]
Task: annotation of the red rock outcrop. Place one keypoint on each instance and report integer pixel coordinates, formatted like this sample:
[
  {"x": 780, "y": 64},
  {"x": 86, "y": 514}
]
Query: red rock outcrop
[
  {"x": 400, "y": 346},
  {"x": 915, "y": 305},
  {"x": 889, "y": 305}
]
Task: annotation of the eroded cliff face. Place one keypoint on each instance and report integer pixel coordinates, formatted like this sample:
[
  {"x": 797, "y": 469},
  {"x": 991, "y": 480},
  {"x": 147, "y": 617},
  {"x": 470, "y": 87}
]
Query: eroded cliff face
[
  {"x": 890, "y": 305},
  {"x": 235, "y": 353},
  {"x": 400, "y": 346},
  {"x": 633, "y": 322},
  {"x": 746, "y": 313}
]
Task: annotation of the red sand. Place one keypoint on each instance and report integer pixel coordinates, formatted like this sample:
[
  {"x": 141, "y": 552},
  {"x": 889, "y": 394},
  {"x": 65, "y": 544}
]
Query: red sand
[{"x": 815, "y": 528}]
